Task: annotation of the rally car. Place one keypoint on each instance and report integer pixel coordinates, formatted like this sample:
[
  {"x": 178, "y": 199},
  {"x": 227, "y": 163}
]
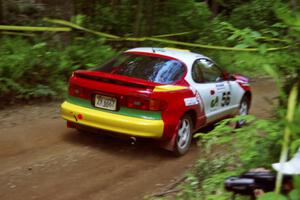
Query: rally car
[{"x": 160, "y": 93}]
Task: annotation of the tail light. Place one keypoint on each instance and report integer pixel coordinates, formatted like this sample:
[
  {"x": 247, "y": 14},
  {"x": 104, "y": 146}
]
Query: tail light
[
  {"x": 126, "y": 101},
  {"x": 155, "y": 104},
  {"x": 77, "y": 91},
  {"x": 145, "y": 104}
]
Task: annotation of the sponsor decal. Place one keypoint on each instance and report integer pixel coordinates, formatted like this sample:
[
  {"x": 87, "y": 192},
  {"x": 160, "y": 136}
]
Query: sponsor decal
[
  {"x": 198, "y": 98},
  {"x": 214, "y": 102},
  {"x": 193, "y": 90},
  {"x": 168, "y": 88},
  {"x": 190, "y": 101},
  {"x": 220, "y": 86}
]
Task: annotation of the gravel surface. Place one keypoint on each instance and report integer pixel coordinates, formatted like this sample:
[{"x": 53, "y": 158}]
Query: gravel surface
[{"x": 42, "y": 159}]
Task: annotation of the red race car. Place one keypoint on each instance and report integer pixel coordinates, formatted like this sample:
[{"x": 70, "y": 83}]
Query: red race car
[{"x": 161, "y": 93}]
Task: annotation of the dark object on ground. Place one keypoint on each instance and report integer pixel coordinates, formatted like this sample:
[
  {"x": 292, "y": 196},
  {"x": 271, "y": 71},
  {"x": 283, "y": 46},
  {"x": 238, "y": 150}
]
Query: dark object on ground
[{"x": 246, "y": 183}]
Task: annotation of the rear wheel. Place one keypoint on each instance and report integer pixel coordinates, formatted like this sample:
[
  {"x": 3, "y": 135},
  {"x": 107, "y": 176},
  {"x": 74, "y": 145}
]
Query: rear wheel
[{"x": 184, "y": 136}]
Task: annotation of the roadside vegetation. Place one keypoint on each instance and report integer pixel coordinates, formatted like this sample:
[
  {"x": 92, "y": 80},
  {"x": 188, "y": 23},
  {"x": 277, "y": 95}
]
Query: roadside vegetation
[
  {"x": 28, "y": 57},
  {"x": 263, "y": 37},
  {"x": 40, "y": 69}
]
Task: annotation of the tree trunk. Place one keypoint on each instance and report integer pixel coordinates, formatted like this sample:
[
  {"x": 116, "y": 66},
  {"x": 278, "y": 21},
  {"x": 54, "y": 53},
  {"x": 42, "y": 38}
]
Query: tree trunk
[
  {"x": 62, "y": 10},
  {"x": 214, "y": 6},
  {"x": 294, "y": 4},
  {"x": 58, "y": 8},
  {"x": 114, "y": 5},
  {"x": 151, "y": 17},
  {"x": 1, "y": 12},
  {"x": 138, "y": 18}
]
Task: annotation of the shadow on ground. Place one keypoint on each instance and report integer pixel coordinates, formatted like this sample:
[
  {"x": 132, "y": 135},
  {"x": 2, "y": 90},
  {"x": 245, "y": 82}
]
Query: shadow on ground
[{"x": 119, "y": 145}]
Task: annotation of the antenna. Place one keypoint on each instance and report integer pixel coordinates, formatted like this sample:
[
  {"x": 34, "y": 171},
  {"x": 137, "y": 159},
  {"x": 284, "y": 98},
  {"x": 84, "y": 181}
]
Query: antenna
[{"x": 153, "y": 50}]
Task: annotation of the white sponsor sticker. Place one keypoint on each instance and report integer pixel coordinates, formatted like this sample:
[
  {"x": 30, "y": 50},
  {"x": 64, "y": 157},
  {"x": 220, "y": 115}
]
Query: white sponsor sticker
[
  {"x": 193, "y": 90},
  {"x": 190, "y": 101},
  {"x": 198, "y": 98},
  {"x": 220, "y": 86}
]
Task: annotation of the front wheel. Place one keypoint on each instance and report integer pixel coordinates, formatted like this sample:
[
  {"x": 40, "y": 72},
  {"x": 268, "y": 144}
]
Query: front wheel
[
  {"x": 184, "y": 136},
  {"x": 243, "y": 110}
]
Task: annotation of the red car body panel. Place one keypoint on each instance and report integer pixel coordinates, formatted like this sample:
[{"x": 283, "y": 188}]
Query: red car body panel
[
  {"x": 170, "y": 105},
  {"x": 99, "y": 82}
]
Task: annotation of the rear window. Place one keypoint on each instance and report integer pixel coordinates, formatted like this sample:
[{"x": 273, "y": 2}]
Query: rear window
[{"x": 155, "y": 69}]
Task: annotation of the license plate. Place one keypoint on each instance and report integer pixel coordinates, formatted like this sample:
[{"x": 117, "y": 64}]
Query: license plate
[{"x": 109, "y": 103}]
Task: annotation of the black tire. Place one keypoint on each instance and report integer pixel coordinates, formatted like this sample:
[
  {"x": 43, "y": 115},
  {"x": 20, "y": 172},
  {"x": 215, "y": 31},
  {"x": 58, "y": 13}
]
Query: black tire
[
  {"x": 243, "y": 110},
  {"x": 184, "y": 136}
]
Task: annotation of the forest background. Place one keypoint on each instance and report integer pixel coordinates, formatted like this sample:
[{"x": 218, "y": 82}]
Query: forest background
[{"x": 257, "y": 38}]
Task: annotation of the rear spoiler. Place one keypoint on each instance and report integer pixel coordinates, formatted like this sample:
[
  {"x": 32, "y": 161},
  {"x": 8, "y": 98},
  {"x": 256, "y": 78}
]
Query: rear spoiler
[{"x": 115, "y": 79}]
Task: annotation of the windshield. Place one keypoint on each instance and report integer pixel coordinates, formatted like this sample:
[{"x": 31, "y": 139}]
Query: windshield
[{"x": 155, "y": 69}]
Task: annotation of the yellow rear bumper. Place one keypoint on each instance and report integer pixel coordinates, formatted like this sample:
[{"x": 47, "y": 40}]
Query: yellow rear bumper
[{"x": 131, "y": 126}]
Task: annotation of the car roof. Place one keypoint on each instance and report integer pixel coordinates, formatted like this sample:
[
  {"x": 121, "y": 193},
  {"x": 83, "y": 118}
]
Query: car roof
[{"x": 181, "y": 54}]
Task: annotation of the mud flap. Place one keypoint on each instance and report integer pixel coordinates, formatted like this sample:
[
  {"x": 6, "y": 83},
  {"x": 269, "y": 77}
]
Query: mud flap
[
  {"x": 169, "y": 145},
  {"x": 70, "y": 124}
]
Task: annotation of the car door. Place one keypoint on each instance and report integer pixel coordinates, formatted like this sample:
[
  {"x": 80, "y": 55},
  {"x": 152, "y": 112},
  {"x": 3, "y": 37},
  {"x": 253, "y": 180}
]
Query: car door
[{"x": 213, "y": 89}]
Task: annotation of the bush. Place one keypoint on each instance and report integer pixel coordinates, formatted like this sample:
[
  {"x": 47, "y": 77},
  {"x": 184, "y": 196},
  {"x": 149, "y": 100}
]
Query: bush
[
  {"x": 37, "y": 69},
  {"x": 228, "y": 152},
  {"x": 256, "y": 14}
]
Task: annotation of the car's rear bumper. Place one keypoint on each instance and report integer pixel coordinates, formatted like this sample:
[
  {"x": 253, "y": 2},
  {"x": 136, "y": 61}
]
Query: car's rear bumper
[{"x": 132, "y": 126}]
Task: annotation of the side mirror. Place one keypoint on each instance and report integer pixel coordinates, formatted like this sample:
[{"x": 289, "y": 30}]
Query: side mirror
[
  {"x": 231, "y": 77},
  {"x": 228, "y": 76}
]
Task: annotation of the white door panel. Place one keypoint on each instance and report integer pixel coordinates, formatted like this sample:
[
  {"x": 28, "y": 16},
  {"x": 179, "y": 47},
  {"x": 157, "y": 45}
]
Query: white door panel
[
  {"x": 217, "y": 98},
  {"x": 210, "y": 101},
  {"x": 237, "y": 94},
  {"x": 220, "y": 97}
]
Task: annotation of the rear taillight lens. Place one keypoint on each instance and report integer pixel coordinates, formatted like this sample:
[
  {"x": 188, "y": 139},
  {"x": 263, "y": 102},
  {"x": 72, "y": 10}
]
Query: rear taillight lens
[
  {"x": 71, "y": 90},
  {"x": 145, "y": 104},
  {"x": 155, "y": 105},
  {"x": 137, "y": 103},
  {"x": 77, "y": 91}
]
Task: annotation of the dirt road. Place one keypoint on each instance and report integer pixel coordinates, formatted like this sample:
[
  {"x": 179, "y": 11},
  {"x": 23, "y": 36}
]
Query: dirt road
[{"x": 41, "y": 159}]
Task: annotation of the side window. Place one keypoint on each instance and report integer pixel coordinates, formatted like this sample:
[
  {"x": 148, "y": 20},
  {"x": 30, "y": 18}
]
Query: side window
[
  {"x": 205, "y": 71},
  {"x": 197, "y": 73}
]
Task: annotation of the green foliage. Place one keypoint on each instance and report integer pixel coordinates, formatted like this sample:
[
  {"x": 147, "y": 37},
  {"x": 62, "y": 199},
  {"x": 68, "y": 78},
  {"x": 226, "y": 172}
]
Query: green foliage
[
  {"x": 255, "y": 14},
  {"x": 246, "y": 142},
  {"x": 293, "y": 195},
  {"x": 188, "y": 189},
  {"x": 288, "y": 16},
  {"x": 78, "y": 19},
  {"x": 40, "y": 69},
  {"x": 272, "y": 195},
  {"x": 226, "y": 152}
]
